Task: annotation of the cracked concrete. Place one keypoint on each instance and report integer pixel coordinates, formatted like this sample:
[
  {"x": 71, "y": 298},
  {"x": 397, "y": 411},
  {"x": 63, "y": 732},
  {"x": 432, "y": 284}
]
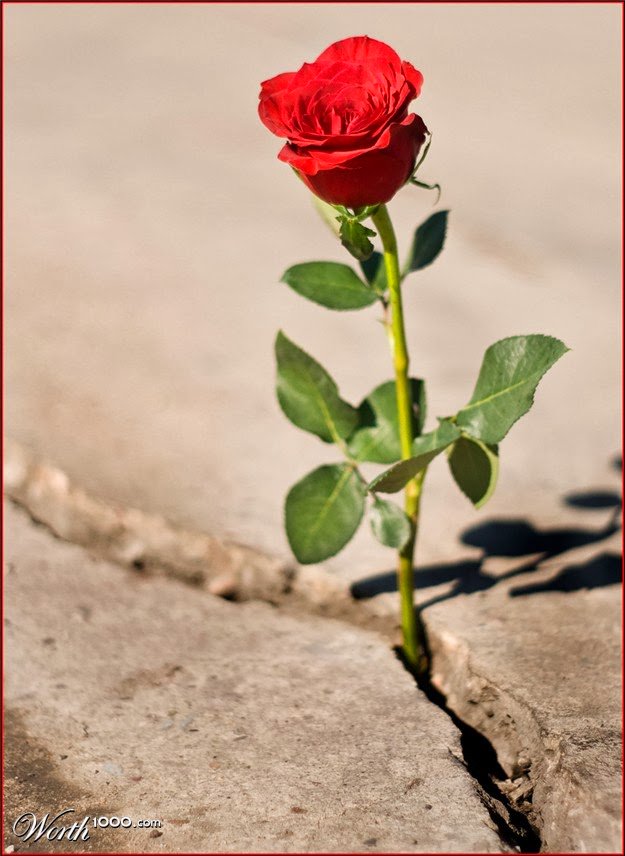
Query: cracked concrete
[
  {"x": 306, "y": 735},
  {"x": 145, "y": 542},
  {"x": 503, "y": 655},
  {"x": 540, "y": 677},
  {"x": 139, "y": 339}
]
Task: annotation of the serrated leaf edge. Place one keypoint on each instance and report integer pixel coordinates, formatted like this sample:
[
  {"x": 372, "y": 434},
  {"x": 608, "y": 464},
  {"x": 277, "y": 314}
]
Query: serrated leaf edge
[{"x": 474, "y": 404}]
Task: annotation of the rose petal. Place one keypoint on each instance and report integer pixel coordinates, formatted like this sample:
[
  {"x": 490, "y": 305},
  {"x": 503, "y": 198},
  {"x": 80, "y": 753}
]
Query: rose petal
[
  {"x": 270, "y": 105},
  {"x": 347, "y": 103},
  {"x": 414, "y": 77},
  {"x": 276, "y": 84},
  {"x": 373, "y": 177},
  {"x": 360, "y": 49},
  {"x": 311, "y": 161}
]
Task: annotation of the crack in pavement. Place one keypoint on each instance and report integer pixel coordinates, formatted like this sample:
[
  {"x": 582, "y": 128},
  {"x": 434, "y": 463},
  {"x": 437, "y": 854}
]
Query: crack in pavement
[{"x": 150, "y": 545}]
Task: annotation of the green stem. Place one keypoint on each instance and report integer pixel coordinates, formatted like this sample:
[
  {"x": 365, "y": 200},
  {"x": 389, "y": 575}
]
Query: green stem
[{"x": 411, "y": 626}]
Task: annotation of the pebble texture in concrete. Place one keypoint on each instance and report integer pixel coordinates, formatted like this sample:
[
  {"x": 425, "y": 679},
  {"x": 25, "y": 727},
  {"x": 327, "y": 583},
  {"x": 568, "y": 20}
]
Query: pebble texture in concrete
[{"x": 240, "y": 729}]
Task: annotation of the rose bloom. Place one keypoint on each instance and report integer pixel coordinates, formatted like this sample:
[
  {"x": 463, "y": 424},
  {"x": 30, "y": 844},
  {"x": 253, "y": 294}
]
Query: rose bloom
[{"x": 345, "y": 116}]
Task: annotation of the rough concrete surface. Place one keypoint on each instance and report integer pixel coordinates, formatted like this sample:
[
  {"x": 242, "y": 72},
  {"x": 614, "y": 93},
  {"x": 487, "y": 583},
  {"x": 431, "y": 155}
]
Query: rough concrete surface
[
  {"x": 130, "y": 537},
  {"x": 538, "y": 672},
  {"x": 238, "y": 728},
  {"x": 147, "y": 225}
]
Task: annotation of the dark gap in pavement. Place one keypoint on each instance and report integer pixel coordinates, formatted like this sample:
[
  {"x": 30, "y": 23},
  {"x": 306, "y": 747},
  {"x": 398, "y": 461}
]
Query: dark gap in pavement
[{"x": 481, "y": 763}]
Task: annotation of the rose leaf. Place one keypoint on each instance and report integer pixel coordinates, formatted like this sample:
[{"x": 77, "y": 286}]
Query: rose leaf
[
  {"x": 511, "y": 370},
  {"x": 355, "y": 238},
  {"x": 425, "y": 449},
  {"x": 376, "y": 438},
  {"x": 308, "y": 395},
  {"x": 323, "y": 511},
  {"x": 389, "y": 524},
  {"x": 428, "y": 242},
  {"x": 475, "y": 467},
  {"x": 330, "y": 284}
]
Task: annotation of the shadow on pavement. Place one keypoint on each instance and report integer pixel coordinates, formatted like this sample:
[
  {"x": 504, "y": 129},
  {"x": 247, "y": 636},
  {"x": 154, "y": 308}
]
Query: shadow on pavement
[
  {"x": 603, "y": 570},
  {"x": 516, "y": 538},
  {"x": 593, "y": 499}
]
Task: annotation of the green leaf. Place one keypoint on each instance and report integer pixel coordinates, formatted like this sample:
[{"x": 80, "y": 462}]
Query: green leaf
[
  {"x": 355, "y": 238},
  {"x": 330, "y": 284},
  {"x": 510, "y": 373},
  {"x": 425, "y": 449},
  {"x": 323, "y": 511},
  {"x": 475, "y": 467},
  {"x": 374, "y": 270},
  {"x": 389, "y": 524},
  {"x": 428, "y": 241},
  {"x": 377, "y": 437},
  {"x": 309, "y": 397}
]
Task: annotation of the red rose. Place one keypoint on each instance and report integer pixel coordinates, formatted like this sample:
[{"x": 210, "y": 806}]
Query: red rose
[{"x": 345, "y": 116}]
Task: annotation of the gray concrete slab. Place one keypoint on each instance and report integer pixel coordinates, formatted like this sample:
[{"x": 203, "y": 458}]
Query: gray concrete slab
[
  {"x": 534, "y": 664},
  {"x": 239, "y": 728}
]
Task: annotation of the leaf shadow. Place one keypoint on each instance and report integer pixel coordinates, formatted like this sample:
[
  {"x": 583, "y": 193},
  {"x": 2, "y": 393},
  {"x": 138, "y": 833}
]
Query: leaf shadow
[
  {"x": 517, "y": 538},
  {"x": 603, "y": 570},
  {"x": 592, "y": 499}
]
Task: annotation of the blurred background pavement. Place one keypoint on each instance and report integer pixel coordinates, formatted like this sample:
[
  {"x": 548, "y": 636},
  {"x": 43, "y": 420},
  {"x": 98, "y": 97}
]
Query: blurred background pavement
[{"x": 148, "y": 223}]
